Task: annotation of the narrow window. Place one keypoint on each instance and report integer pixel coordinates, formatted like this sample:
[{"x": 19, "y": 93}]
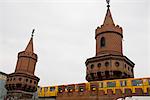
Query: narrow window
[
  {"x": 102, "y": 42},
  {"x": 81, "y": 88},
  {"x": 123, "y": 83}
]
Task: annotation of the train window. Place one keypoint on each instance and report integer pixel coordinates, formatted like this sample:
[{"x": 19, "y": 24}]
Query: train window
[
  {"x": 137, "y": 82},
  {"x": 93, "y": 88},
  {"x": 111, "y": 84},
  {"x": 52, "y": 88},
  {"x": 81, "y": 89},
  {"x": 60, "y": 89},
  {"x": 40, "y": 89},
  {"x": 69, "y": 89},
  {"x": 66, "y": 88},
  {"x": 76, "y": 87},
  {"x": 72, "y": 88},
  {"x": 45, "y": 89},
  {"x": 123, "y": 83},
  {"x": 149, "y": 81},
  {"x": 100, "y": 84}
]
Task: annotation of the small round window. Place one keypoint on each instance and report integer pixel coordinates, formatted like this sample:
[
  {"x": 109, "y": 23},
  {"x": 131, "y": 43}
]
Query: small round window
[
  {"x": 128, "y": 68},
  {"x": 92, "y": 66},
  {"x": 20, "y": 79},
  {"x": 26, "y": 80},
  {"x": 117, "y": 64},
  {"x": 99, "y": 64}
]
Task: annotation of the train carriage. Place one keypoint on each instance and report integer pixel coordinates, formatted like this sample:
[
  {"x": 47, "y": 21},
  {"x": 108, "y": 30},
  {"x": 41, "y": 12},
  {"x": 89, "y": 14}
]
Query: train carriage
[
  {"x": 140, "y": 85},
  {"x": 123, "y": 86}
]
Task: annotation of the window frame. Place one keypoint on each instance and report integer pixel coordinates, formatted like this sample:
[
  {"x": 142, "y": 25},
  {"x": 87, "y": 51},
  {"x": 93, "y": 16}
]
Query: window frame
[
  {"x": 139, "y": 82},
  {"x": 112, "y": 85}
]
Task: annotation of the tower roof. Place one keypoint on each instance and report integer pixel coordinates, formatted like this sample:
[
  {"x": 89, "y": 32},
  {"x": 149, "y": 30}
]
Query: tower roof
[
  {"x": 108, "y": 18},
  {"x": 29, "y": 47}
]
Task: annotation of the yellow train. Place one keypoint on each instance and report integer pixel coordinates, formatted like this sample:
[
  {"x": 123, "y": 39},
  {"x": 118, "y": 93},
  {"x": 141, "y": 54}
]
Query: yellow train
[{"x": 121, "y": 84}]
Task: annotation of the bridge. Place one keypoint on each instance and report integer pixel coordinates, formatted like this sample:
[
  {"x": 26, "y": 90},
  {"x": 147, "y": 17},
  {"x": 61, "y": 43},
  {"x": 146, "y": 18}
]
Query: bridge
[{"x": 99, "y": 90}]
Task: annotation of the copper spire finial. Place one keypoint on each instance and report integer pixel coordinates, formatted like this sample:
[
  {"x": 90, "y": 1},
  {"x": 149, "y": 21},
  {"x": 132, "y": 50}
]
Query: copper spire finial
[
  {"x": 108, "y": 1},
  {"x": 29, "y": 47},
  {"x": 108, "y": 18},
  {"x": 32, "y": 33}
]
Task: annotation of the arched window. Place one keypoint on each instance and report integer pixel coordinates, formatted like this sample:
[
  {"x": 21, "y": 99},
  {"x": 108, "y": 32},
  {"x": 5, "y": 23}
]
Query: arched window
[{"x": 102, "y": 42}]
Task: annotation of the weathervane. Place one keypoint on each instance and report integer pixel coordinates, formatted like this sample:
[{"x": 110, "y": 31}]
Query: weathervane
[
  {"x": 32, "y": 33},
  {"x": 108, "y": 1}
]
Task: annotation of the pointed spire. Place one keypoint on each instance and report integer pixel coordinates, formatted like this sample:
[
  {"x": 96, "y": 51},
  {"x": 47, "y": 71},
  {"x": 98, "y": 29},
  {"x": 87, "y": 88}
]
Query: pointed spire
[
  {"x": 29, "y": 47},
  {"x": 108, "y": 18}
]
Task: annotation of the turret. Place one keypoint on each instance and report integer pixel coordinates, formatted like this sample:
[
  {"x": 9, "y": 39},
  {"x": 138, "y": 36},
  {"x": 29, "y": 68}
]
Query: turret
[
  {"x": 109, "y": 61},
  {"x": 23, "y": 83}
]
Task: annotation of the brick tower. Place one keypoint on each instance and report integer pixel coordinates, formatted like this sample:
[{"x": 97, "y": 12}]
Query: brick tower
[
  {"x": 23, "y": 83},
  {"x": 109, "y": 61}
]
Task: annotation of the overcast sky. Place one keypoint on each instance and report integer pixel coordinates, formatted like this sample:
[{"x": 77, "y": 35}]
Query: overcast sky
[{"x": 65, "y": 35}]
